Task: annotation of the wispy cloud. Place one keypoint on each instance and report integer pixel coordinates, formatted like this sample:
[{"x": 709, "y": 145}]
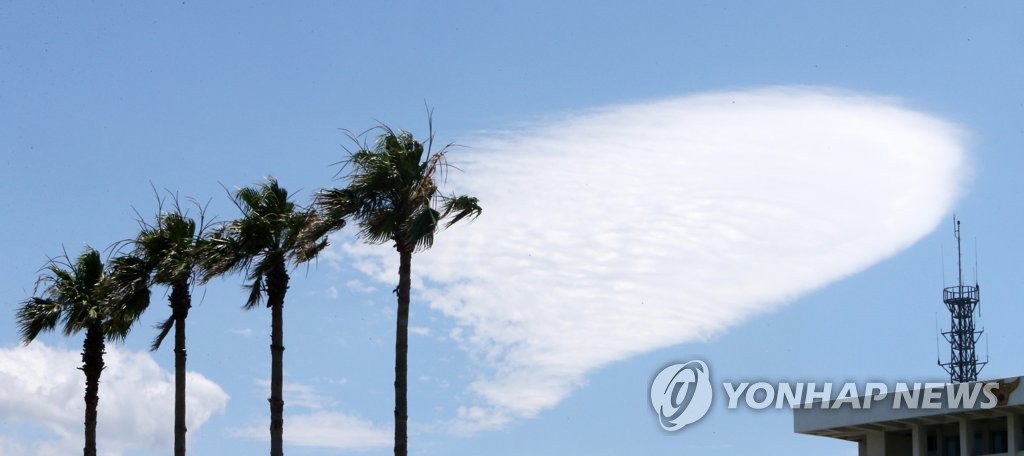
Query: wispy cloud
[
  {"x": 299, "y": 395},
  {"x": 18, "y": 447},
  {"x": 419, "y": 330},
  {"x": 317, "y": 425},
  {"x": 326, "y": 430},
  {"x": 622, "y": 230},
  {"x": 332, "y": 292},
  {"x": 40, "y": 386},
  {"x": 359, "y": 287}
]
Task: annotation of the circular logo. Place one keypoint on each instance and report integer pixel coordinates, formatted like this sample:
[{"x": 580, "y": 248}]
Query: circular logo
[{"x": 681, "y": 394}]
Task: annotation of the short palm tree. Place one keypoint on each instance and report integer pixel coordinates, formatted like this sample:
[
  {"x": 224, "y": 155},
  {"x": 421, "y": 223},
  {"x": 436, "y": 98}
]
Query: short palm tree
[
  {"x": 393, "y": 195},
  {"x": 84, "y": 296},
  {"x": 170, "y": 251},
  {"x": 269, "y": 234}
]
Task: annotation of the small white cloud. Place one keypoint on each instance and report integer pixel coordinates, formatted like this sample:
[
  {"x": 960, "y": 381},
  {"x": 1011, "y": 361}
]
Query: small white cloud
[
  {"x": 359, "y": 286},
  {"x": 329, "y": 380},
  {"x": 332, "y": 292},
  {"x": 299, "y": 395},
  {"x": 244, "y": 332},
  {"x": 419, "y": 330},
  {"x": 41, "y": 386},
  {"x": 350, "y": 253},
  {"x": 325, "y": 429},
  {"x": 333, "y": 257},
  {"x": 336, "y": 430},
  {"x": 474, "y": 419},
  {"x": 317, "y": 425}
]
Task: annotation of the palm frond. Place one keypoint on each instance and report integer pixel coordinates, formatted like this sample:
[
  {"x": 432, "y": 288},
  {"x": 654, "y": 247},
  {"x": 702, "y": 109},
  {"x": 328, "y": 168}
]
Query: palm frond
[
  {"x": 88, "y": 270},
  {"x": 421, "y": 227},
  {"x": 37, "y": 315},
  {"x": 303, "y": 243},
  {"x": 130, "y": 294},
  {"x": 333, "y": 207},
  {"x": 164, "y": 328},
  {"x": 460, "y": 207},
  {"x": 308, "y": 251},
  {"x": 171, "y": 243},
  {"x": 85, "y": 293},
  {"x": 378, "y": 227},
  {"x": 392, "y": 190},
  {"x": 270, "y": 231},
  {"x": 256, "y": 289},
  {"x": 221, "y": 254}
]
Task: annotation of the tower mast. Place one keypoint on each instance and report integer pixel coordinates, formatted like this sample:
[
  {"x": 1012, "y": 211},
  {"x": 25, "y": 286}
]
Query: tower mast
[{"x": 962, "y": 301}]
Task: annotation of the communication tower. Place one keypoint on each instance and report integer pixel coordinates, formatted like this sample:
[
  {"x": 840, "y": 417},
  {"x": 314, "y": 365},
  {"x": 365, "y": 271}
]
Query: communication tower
[{"x": 962, "y": 301}]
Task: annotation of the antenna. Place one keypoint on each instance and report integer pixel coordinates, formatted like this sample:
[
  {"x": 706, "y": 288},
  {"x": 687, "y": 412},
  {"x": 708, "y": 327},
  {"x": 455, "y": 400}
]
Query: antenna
[
  {"x": 942, "y": 251},
  {"x": 979, "y": 288},
  {"x": 959, "y": 257},
  {"x": 986, "y": 348},
  {"x": 962, "y": 301},
  {"x": 975, "y": 260}
]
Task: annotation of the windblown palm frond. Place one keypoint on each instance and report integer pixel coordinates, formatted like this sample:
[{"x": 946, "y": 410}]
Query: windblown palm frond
[
  {"x": 81, "y": 294},
  {"x": 84, "y": 295},
  {"x": 271, "y": 232},
  {"x": 392, "y": 194},
  {"x": 169, "y": 252},
  {"x": 130, "y": 289},
  {"x": 37, "y": 315},
  {"x": 169, "y": 247}
]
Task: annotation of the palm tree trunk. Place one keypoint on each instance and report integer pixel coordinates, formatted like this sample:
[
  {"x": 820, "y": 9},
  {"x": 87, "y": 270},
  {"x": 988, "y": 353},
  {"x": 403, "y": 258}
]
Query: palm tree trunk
[
  {"x": 277, "y": 286},
  {"x": 402, "y": 354},
  {"x": 92, "y": 367},
  {"x": 181, "y": 301}
]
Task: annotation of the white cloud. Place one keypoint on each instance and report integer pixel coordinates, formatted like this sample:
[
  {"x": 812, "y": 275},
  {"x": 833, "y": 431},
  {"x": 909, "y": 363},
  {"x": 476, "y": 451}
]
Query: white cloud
[
  {"x": 15, "y": 447},
  {"x": 317, "y": 425},
  {"x": 298, "y": 395},
  {"x": 632, "y": 228},
  {"x": 472, "y": 419},
  {"x": 40, "y": 386},
  {"x": 419, "y": 330},
  {"x": 358, "y": 286},
  {"x": 326, "y": 429}
]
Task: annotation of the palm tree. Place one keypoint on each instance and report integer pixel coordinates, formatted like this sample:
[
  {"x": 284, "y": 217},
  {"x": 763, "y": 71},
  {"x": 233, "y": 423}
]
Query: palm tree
[
  {"x": 170, "y": 251},
  {"x": 261, "y": 243},
  {"x": 392, "y": 193},
  {"x": 84, "y": 296}
]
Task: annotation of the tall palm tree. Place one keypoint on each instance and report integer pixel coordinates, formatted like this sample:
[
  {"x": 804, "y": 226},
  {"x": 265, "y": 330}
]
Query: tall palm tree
[
  {"x": 170, "y": 250},
  {"x": 84, "y": 296},
  {"x": 392, "y": 194},
  {"x": 269, "y": 234}
]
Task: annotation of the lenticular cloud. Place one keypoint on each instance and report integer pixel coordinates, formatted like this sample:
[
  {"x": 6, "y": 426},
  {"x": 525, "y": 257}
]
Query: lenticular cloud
[{"x": 597, "y": 224}]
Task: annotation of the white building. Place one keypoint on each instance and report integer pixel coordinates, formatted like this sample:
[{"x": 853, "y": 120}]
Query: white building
[{"x": 891, "y": 428}]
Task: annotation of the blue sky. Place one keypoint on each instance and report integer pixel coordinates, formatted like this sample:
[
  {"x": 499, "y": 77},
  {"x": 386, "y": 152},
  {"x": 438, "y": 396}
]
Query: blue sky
[{"x": 773, "y": 184}]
